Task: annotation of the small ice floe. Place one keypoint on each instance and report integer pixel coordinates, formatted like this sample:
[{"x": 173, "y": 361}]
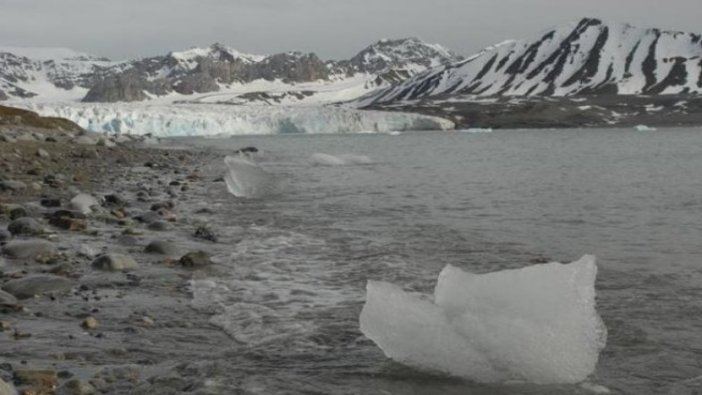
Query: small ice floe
[
  {"x": 340, "y": 160},
  {"x": 245, "y": 178},
  {"x": 476, "y": 130},
  {"x": 537, "y": 324},
  {"x": 644, "y": 128}
]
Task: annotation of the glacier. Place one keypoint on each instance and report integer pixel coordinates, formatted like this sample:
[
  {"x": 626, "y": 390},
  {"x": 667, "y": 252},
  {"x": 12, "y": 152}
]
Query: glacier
[
  {"x": 537, "y": 324},
  {"x": 171, "y": 120}
]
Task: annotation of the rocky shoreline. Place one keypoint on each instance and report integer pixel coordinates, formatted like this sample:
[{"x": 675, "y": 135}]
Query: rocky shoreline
[
  {"x": 100, "y": 237},
  {"x": 588, "y": 111}
]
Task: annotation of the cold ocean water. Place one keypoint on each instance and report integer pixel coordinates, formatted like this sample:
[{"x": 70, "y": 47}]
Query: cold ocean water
[{"x": 335, "y": 211}]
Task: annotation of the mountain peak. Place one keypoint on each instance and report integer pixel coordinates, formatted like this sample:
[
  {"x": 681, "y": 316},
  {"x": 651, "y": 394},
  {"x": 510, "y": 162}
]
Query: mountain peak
[
  {"x": 587, "y": 56},
  {"x": 407, "y": 52}
]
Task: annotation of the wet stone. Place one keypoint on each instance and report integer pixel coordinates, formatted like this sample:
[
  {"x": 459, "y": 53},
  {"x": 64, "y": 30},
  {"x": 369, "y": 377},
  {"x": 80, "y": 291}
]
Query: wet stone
[
  {"x": 148, "y": 217},
  {"x": 21, "y": 249},
  {"x": 37, "y": 284},
  {"x": 206, "y": 233},
  {"x": 50, "y": 202},
  {"x": 43, "y": 154},
  {"x": 7, "y": 299},
  {"x": 195, "y": 259},
  {"x": 160, "y": 226},
  {"x": 161, "y": 247},
  {"x": 18, "y": 212},
  {"x": 68, "y": 220},
  {"x": 12, "y": 186},
  {"x": 114, "y": 201},
  {"x": 25, "y": 226},
  {"x": 5, "y": 235},
  {"x": 77, "y": 387},
  {"x": 114, "y": 262},
  {"x": 46, "y": 378}
]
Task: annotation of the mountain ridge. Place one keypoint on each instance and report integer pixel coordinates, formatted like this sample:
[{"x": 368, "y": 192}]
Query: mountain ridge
[
  {"x": 589, "y": 56},
  {"x": 205, "y": 70}
]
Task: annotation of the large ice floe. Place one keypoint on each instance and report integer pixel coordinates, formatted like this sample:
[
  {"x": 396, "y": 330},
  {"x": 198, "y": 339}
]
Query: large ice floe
[
  {"x": 536, "y": 324},
  {"x": 167, "y": 120}
]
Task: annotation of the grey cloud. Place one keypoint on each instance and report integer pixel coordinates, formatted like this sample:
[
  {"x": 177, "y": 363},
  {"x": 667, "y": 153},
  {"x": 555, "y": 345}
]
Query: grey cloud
[{"x": 332, "y": 28}]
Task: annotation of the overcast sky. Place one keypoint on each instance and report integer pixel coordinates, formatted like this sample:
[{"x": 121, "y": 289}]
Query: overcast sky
[{"x": 122, "y": 29}]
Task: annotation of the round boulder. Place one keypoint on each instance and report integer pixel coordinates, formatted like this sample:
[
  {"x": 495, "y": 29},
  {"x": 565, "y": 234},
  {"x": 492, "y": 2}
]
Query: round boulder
[
  {"x": 195, "y": 259},
  {"x": 25, "y": 226},
  {"x": 161, "y": 247},
  {"x": 37, "y": 284},
  {"x": 22, "y": 249},
  {"x": 114, "y": 263}
]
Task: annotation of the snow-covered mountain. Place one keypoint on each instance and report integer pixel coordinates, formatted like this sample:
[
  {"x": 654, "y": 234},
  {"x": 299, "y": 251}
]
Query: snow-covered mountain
[
  {"x": 586, "y": 57},
  {"x": 49, "y": 73},
  {"x": 215, "y": 74}
]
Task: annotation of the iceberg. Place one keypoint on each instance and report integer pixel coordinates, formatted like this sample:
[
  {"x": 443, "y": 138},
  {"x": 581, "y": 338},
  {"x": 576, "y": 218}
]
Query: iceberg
[
  {"x": 537, "y": 324},
  {"x": 170, "y": 120}
]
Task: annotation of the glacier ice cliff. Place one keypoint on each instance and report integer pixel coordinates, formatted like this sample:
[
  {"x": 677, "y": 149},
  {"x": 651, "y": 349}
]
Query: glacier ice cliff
[{"x": 168, "y": 120}]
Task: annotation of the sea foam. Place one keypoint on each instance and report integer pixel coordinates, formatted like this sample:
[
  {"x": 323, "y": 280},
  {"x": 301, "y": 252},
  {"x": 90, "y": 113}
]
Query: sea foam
[{"x": 537, "y": 324}]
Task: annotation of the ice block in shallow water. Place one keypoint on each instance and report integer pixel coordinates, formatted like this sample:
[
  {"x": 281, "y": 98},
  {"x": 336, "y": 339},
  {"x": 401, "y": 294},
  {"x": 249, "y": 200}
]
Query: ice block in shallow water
[
  {"x": 245, "y": 178},
  {"x": 537, "y": 324}
]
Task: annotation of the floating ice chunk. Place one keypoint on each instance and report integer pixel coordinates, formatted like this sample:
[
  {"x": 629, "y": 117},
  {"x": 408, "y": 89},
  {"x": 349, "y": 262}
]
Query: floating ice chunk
[
  {"x": 644, "y": 128},
  {"x": 476, "y": 130},
  {"x": 341, "y": 160},
  {"x": 245, "y": 178},
  {"x": 537, "y": 324}
]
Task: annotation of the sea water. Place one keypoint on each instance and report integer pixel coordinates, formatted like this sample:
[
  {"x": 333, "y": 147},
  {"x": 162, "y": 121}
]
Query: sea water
[{"x": 299, "y": 259}]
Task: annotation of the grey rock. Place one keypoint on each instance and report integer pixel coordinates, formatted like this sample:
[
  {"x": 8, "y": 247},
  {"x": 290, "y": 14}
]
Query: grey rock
[
  {"x": 160, "y": 226},
  {"x": 22, "y": 249},
  {"x": 10, "y": 185},
  {"x": 206, "y": 233},
  {"x": 76, "y": 387},
  {"x": 43, "y": 154},
  {"x": 26, "y": 137},
  {"x": 114, "y": 201},
  {"x": 7, "y": 299},
  {"x": 5, "y": 235},
  {"x": 25, "y": 226},
  {"x": 37, "y": 284},
  {"x": 50, "y": 202},
  {"x": 103, "y": 142},
  {"x": 114, "y": 263},
  {"x": 148, "y": 217},
  {"x": 162, "y": 247},
  {"x": 18, "y": 212},
  {"x": 85, "y": 140},
  {"x": 195, "y": 259}
]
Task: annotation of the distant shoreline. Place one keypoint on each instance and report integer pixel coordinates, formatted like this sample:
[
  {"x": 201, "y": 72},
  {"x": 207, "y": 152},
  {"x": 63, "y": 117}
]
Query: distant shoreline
[{"x": 559, "y": 112}]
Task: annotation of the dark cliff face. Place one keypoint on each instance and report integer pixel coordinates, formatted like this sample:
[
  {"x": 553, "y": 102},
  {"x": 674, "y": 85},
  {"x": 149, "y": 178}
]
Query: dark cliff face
[
  {"x": 587, "y": 57},
  {"x": 290, "y": 67}
]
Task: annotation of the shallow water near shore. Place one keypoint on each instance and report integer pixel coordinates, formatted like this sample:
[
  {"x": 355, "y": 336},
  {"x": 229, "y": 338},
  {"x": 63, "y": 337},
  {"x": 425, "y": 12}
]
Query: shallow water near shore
[{"x": 297, "y": 260}]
